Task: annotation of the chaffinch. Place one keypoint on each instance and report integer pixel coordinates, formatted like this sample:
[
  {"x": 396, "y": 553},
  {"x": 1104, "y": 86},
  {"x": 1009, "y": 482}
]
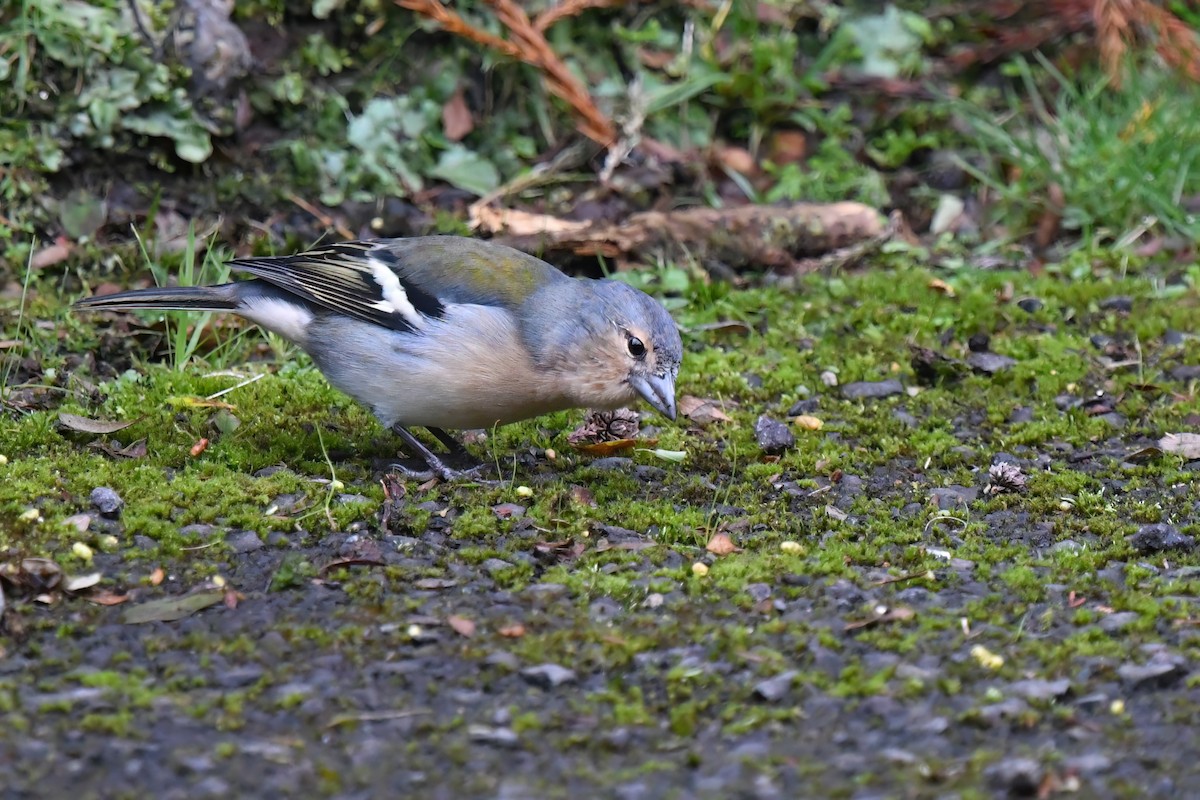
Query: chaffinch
[{"x": 448, "y": 332}]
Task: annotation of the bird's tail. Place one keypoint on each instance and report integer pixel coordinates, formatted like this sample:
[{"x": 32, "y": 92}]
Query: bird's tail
[{"x": 183, "y": 298}]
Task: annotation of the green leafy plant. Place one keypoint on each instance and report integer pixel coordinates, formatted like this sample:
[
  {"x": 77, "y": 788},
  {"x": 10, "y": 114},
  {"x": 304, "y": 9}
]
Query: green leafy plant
[
  {"x": 186, "y": 329},
  {"x": 1111, "y": 161}
]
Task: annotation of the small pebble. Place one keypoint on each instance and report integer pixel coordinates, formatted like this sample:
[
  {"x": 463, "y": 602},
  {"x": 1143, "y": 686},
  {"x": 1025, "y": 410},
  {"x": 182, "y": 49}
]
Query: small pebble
[
  {"x": 107, "y": 501},
  {"x": 700, "y": 569}
]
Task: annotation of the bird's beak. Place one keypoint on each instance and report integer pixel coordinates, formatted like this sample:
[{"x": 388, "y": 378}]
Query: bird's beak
[{"x": 658, "y": 391}]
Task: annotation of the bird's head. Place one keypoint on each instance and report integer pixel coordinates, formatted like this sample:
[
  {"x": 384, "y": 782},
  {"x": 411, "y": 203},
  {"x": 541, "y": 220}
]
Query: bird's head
[{"x": 614, "y": 344}]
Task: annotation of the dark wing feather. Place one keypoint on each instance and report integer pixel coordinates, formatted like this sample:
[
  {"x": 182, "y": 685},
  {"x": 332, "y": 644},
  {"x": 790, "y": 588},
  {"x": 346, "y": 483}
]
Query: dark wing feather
[{"x": 358, "y": 279}]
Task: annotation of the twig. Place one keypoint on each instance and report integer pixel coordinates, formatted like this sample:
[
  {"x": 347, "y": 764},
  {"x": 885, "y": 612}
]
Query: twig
[
  {"x": 322, "y": 217},
  {"x": 529, "y": 45},
  {"x": 570, "y": 8}
]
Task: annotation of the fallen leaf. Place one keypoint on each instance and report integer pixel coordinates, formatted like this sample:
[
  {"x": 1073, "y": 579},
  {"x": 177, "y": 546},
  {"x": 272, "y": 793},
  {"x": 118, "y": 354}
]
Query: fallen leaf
[
  {"x": 156, "y": 577},
  {"x": 136, "y": 449},
  {"x": 199, "y": 447},
  {"x": 353, "y": 561},
  {"x": 514, "y": 631},
  {"x": 583, "y": 496},
  {"x": 457, "y": 121},
  {"x": 9, "y": 344},
  {"x": 77, "y": 583},
  {"x": 702, "y": 411},
  {"x": 79, "y": 522},
  {"x": 941, "y": 287},
  {"x": 461, "y": 625},
  {"x": 435, "y": 583},
  {"x": 51, "y": 254},
  {"x": 169, "y": 609},
  {"x": 883, "y": 614},
  {"x": 1184, "y": 444},
  {"x": 106, "y": 598},
  {"x": 608, "y": 448},
  {"x": 565, "y": 550},
  {"x": 74, "y": 422},
  {"x": 720, "y": 544}
]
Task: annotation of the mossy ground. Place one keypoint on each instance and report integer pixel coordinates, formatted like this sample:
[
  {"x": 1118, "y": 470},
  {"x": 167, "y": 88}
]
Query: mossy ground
[{"x": 329, "y": 681}]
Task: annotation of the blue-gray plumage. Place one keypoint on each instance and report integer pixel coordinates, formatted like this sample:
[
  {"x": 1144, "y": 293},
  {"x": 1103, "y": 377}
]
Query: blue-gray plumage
[{"x": 450, "y": 332}]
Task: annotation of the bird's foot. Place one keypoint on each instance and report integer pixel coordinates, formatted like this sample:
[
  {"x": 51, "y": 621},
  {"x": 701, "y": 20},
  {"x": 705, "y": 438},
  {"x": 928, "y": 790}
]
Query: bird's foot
[
  {"x": 437, "y": 467},
  {"x": 442, "y": 471}
]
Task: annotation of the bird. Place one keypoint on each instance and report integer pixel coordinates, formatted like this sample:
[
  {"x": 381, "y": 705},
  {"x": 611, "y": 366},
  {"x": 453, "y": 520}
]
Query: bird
[{"x": 447, "y": 332}]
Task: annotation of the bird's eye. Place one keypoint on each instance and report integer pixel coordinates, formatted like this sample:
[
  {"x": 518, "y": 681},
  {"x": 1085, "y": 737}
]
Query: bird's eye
[{"x": 636, "y": 348}]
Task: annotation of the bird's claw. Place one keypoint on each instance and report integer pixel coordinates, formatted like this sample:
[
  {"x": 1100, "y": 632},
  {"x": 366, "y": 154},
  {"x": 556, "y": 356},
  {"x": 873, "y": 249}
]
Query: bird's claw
[{"x": 445, "y": 473}]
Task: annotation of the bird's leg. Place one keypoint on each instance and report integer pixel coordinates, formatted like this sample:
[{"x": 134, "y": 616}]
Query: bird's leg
[
  {"x": 437, "y": 467},
  {"x": 453, "y": 446}
]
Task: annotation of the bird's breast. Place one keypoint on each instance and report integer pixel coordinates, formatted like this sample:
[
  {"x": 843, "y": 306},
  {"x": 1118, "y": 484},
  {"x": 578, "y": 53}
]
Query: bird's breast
[{"x": 468, "y": 369}]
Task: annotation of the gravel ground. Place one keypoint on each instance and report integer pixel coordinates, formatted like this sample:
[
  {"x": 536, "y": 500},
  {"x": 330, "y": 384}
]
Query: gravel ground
[{"x": 981, "y": 586}]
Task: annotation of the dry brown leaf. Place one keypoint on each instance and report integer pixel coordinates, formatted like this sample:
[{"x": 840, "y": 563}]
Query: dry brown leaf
[
  {"x": 199, "y": 447},
  {"x": 514, "y": 631},
  {"x": 52, "y": 254},
  {"x": 352, "y": 561},
  {"x": 136, "y": 449},
  {"x": 457, "y": 120},
  {"x": 1184, "y": 444},
  {"x": 106, "y": 598},
  {"x": 74, "y": 422},
  {"x": 156, "y": 577},
  {"x": 702, "y": 411},
  {"x": 895, "y": 614},
  {"x": 941, "y": 287},
  {"x": 608, "y": 448},
  {"x": 583, "y": 496},
  {"x": 720, "y": 544},
  {"x": 461, "y": 625}
]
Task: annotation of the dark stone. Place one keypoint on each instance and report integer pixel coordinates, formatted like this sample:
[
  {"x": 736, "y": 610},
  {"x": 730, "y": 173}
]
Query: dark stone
[
  {"x": 1022, "y": 414},
  {"x": 775, "y": 689},
  {"x": 807, "y": 406},
  {"x": 244, "y": 541},
  {"x": 1017, "y": 776},
  {"x": 1184, "y": 372},
  {"x": 979, "y": 343},
  {"x": 989, "y": 363},
  {"x": 107, "y": 501},
  {"x": 495, "y": 736},
  {"x": 1030, "y": 305},
  {"x": 773, "y": 436},
  {"x": 1154, "y": 674},
  {"x": 872, "y": 390},
  {"x": 493, "y": 565},
  {"x": 548, "y": 676},
  {"x": 618, "y": 463},
  {"x": 758, "y": 591},
  {"x": 1121, "y": 302},
  {"x": 951, "y": 497},
  {"x": 1159, "y": 536},
  {"x": 1043, "y": 690},
  {"x": 1118, "y": 621}
]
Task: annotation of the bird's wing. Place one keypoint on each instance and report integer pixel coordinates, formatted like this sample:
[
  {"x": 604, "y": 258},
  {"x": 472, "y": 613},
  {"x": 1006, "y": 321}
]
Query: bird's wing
[{"x": 403, "y": 283}]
